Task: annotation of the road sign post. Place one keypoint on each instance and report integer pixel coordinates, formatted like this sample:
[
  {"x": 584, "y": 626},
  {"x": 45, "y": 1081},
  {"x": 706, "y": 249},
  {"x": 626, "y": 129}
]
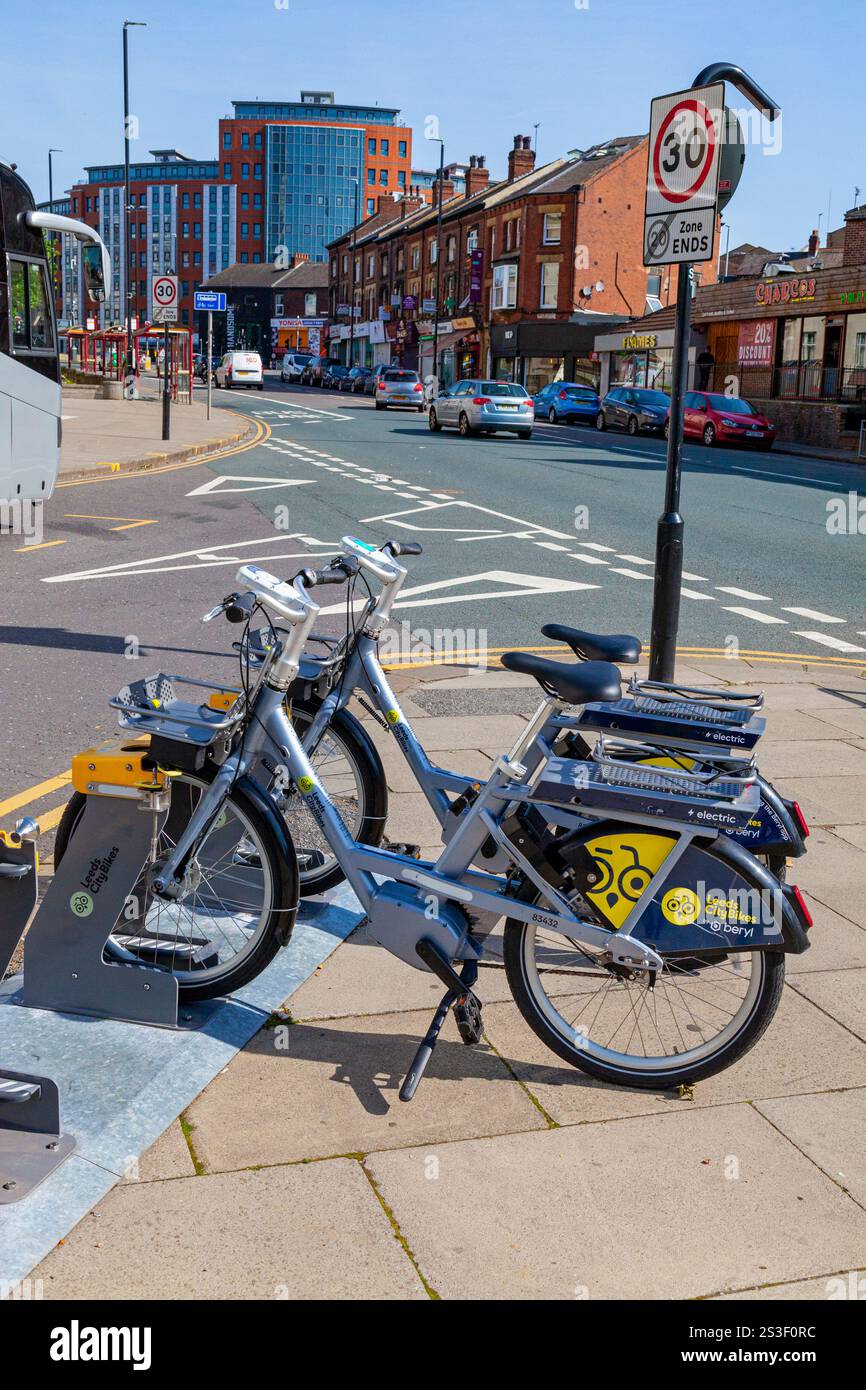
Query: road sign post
[
  {"x": 688, "y": 131},
  {"x": 166, "y": 385},
  {"x": 210, "y": 302}
]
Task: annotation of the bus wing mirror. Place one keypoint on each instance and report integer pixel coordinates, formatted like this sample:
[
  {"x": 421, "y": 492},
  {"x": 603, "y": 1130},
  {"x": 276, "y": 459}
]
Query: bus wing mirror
[{"x": 94, "y": 279}]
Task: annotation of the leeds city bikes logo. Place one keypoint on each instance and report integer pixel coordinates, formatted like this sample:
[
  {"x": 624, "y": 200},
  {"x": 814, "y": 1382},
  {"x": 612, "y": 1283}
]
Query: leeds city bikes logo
[{"x": 82, "y": 901}]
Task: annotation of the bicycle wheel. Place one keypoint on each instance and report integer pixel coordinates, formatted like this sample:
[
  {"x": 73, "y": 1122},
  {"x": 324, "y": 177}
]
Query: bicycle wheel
[
  {"x": 240, "y": 904},
  {"x": 699, "y": 1015},
  {"x": 351, "y": 772}
]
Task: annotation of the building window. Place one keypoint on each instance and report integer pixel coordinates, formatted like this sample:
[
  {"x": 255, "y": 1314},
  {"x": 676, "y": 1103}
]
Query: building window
[
  {"x": 434, "y": 252},
  {"x": 257, "y": 258},
  {"x": 227, "y": 172},
  {"x": 401, "y": 149},
  {"x": 227, "y": 139},
  {"x": 245, "y": 229},
  {"x": 245, "y": 200},
  {"x": 549, "y": 284},
  {"x": 416, "y": 257},
  {"x": 196, "y": 199},
  {"x": 371, "y": 206},
  {"x": 371, "y": 146},
  {"x": 245, "y": 171},
  {"x": 257, "y": 171},
  {"x": 383, "y": 177},
  {"x": 184, "y": 229},
  {"x": 552, "y": 228},
  {"x": 504, "y": 293},
  {"x": 257, "y": 229},
  {"x": 245, "y": 258},
  {"x": 385, "y": 147},
  {"x": 371, "y": 175},
  {"x": 245, "y": 139},
  {"x": 452, "y": 248}
]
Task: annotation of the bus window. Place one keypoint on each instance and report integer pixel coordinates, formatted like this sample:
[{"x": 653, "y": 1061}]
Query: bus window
[
  {"x": 18, "y": 304},
  {"x": 32, "y": 324},
  {"x": 41, "y": 336}
]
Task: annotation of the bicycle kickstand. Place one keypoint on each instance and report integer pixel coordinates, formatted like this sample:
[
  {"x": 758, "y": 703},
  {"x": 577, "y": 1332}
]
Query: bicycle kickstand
[{"x": 466, "y": 1005}]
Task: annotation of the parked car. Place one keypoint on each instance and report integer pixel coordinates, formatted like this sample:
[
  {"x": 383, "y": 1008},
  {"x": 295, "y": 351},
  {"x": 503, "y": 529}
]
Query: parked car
[
  {"x": 313, "y": 373},
  {"x": 718, "y": 419},
  {"x": 483, "y": 407},
  {"x": 372, "y": 382},
  {"x": 293, "y": 364},
  {"x": 240, "y": 369},
  {"x": 334, "y": 375},
  {"x": 399, "y": 386},
  {"x": 354, "y": 379},
  {"x": 634, "y": 408},
  {"x": 566, "y": 400}
]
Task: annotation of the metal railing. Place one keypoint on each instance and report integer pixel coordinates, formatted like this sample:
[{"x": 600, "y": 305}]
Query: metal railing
[{"x": 804, "y": 381}]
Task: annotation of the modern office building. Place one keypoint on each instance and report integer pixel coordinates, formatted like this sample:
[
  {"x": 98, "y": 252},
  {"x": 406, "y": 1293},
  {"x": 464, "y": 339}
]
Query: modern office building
[
  {"x": 182, "y": 217},
  {"x": 302, "y": 168}
]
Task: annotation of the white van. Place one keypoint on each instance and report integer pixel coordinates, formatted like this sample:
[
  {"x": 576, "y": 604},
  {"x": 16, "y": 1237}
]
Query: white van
[{"x": 240, "y": 369}]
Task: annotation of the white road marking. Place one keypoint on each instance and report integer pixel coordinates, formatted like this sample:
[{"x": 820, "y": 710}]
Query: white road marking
[
  {"x": 744, "y": 593},
  {"x": 696, "y": 593},
  {"x": 826, "y": 640},
  {"x": 766, "y": 473},
  {"x": 815, "y": 616},
  {"x": 472, "y": 508},
  {"x": 635, "y": 560},
  {"x": 754, "y": 614},
  {"x": 594, "y": 545},
  {"x": 630, "y": 574},
  {"x": 201, "y": 558},
  {"x": 257, "y": 484},
  {"x": 290, "y": 405},
  {"x": 699, "y": 578},
  {"x": 550, "y": 545},
  {"x": 588, "y": 559}
]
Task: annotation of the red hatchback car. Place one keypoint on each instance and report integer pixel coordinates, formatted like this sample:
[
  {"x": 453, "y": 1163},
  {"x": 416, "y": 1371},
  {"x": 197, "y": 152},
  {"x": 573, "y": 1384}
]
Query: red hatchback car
[{"x": 719, "y": 419}]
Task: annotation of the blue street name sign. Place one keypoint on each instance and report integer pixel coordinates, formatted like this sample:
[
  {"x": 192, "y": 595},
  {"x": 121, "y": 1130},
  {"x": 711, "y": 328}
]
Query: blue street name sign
[{"x": 209, "y": 301}]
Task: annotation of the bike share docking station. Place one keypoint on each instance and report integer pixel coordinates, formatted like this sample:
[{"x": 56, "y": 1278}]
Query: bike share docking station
[{"x": 31, "y": 1142}]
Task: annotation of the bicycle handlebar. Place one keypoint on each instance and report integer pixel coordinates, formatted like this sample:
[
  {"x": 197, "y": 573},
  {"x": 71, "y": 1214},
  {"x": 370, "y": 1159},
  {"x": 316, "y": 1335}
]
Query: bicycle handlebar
[{"x": 396, "y": 548}]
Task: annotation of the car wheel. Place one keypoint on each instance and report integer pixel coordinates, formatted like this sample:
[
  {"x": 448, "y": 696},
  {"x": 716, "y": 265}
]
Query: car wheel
[
  {"x": 551, "y": 415},
  {"x": 709, "y": 436},
  {"x": 600, "y": 422},
  {"x": 667, "y": 429},
  {"x": 525, "y": 434},
  {"x": 633, "y": 425},
  {"x": 433, "y": 421},
  {"x": 380, "y": 406},
  {"x": 262, "y": 387},
  {"x": 464, "y": 425},
  {"x": 421, "y": 410}
]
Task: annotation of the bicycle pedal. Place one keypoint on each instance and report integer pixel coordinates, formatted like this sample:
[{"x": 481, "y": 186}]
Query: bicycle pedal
[
  {"x": 399, "y": 847},
  {"x": 467, "y": 1015}
]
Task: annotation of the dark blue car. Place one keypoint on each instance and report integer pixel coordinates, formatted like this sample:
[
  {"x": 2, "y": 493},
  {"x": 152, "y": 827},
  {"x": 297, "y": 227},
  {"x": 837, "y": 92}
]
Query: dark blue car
[{"x": 566, "y": 400}]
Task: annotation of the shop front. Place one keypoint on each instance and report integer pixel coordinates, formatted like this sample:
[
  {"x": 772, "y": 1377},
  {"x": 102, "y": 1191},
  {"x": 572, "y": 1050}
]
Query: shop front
[
  {"x": 296, "y": 335},
  {"x": 795, "y": 344},
  {"x": 641, "y": 354},
  {"x": 537, "y": 351}
]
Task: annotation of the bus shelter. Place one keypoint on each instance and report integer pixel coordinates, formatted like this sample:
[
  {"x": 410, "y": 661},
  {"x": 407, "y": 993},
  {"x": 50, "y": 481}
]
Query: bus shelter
[{"x": 150, "y": 355}]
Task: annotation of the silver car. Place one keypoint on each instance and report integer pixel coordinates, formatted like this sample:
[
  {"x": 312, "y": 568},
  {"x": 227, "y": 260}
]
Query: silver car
[
  {"x": 398, "y": 386},
  {"x": 483, "y": 407}
]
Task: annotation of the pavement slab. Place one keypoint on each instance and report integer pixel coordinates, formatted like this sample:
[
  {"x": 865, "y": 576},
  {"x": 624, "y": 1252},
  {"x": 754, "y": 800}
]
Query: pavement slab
[
  {"x": 313, "y": 1090},
  {"x": 831, "y": 1130},
  {"x": 310, "y": 1231},
  {"x": 802, "y": 1051},
  {"x": 841, "y": 994},
  {"x": 534, "y": 1216}
]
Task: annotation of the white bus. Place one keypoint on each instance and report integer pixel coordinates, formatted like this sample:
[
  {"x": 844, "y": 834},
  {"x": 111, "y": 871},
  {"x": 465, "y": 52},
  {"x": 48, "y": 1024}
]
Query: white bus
[{"x": 30, "y": 426}]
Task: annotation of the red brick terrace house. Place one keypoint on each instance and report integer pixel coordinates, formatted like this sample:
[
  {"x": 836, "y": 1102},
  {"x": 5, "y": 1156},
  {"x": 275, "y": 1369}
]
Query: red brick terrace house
[{"x": 533, "y": 267}]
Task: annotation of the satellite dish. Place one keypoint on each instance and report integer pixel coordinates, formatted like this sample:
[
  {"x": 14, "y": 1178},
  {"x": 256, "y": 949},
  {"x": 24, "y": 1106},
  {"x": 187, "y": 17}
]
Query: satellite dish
[
  {"x": 599, "y": 285},
  {"x": 587, "y": 292}
]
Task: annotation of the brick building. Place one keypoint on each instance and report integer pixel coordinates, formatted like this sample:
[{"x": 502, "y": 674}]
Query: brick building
[
  {"x": 532, "y": 266},
  {"x": 271, "y": 309},
  {"x": 791, "y": 340}
]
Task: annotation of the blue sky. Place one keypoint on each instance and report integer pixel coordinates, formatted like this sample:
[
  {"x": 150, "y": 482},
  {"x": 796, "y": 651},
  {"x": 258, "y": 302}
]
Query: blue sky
[{"x": 488, "y": 69}]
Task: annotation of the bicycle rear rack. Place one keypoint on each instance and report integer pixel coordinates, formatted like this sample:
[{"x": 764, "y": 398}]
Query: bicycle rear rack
[
  {"x": 682, "y": 716},
  {"x": 708, "y": 798}
]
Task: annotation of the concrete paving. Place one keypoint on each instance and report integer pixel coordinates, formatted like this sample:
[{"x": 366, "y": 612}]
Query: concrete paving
[
  {"x": 508, "y": 1176},
  {"x": 127, "y": 435}
]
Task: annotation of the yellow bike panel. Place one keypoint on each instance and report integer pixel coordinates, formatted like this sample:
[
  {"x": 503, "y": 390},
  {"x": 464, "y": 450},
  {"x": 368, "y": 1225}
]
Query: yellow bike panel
[{"x": 627, "y": 861}]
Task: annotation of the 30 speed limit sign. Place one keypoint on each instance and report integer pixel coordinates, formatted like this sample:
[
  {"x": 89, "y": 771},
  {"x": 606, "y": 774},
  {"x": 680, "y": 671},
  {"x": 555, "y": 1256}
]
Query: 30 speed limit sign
[
  {"x": 685, "y": 142},
  {"x": 165, "y": 299}
]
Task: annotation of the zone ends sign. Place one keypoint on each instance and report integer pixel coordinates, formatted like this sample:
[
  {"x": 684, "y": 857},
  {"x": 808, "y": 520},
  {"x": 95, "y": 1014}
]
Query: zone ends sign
[{"x": 687, "y": 132}]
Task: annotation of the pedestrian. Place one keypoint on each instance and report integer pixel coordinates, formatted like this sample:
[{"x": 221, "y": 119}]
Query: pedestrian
[{"x": 705, "y": 363}]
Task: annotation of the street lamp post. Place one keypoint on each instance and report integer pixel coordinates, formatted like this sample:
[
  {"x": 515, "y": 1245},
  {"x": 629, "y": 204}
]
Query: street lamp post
[
  {"x": 438, "y": 264},
  {"x": 670, "y": 529},
  {"x": 354, "y": 250},
  {"x": 51, "y": 152},
  {"x": 130, "y": 374}
]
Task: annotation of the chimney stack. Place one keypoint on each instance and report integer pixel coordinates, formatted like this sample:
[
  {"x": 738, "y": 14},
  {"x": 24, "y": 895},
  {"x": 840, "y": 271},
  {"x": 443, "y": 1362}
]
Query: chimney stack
[
  {"x": 477, "y": 175},
  {"x": 855, "y": 237},
  {"x": 521, "y": 159},
  {"x": 814, "y": 243}
]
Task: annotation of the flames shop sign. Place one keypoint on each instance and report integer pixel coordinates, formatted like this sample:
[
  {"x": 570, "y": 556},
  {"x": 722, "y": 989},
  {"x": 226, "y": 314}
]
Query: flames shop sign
[{"x": 755, "y": 343}]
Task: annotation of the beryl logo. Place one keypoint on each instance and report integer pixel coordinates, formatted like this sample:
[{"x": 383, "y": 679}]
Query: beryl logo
[{"x": 77, "y": 1343}]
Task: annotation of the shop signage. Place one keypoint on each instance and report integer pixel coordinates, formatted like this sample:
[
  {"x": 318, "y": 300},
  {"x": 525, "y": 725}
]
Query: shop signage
[
  {"x": 785, "y": 291},
  {"x": 638, "y": 342},
  {"x": 428, "y": 306},
  {"x": 297, "y": 323},
  {"x": 343, "y": 309},
  {"x": 377, "y": 332},
  {"x": 476, "y": 275},
  {"x": 461, "y": 325},
  {"x": 755, "y": 343},
  {"x": 853, "y": 297},
  {"x": 409, "y": 301}
]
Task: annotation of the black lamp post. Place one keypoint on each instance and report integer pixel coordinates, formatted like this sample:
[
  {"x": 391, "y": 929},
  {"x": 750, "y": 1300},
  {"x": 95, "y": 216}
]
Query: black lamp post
[
  {"x": 354, "y": 250},
  {"x": 438, "y": 262},
  {"x": 130, "y": 374}
]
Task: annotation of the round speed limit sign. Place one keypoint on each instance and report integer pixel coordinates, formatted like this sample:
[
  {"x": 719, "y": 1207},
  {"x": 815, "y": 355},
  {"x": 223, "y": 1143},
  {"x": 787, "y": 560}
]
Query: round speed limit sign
[
  {"x": 165, "y": 291},
  {"x": 683, "y": 151}
]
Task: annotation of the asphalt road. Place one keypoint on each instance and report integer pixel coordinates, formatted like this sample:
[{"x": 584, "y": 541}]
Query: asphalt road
[{"x": 515, "y": 533}]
